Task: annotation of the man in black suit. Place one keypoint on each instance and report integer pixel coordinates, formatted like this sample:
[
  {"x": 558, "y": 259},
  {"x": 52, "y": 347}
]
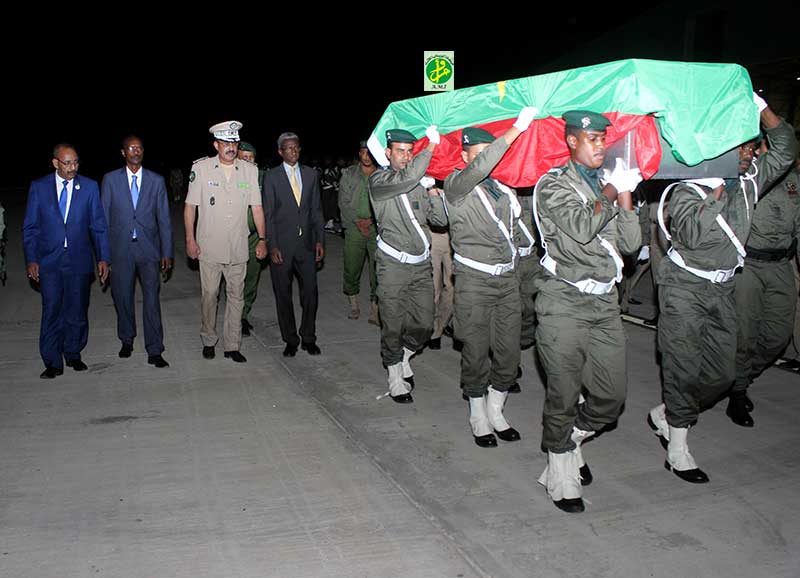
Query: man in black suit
[{"x": 292, "y": 207}]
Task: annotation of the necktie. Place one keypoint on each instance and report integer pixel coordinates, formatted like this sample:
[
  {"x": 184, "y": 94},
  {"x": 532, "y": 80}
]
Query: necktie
[
  {"x": 62, "y": 201},
  {"x": 134, "y": 197},
  {"x": 295, "y": 186}
]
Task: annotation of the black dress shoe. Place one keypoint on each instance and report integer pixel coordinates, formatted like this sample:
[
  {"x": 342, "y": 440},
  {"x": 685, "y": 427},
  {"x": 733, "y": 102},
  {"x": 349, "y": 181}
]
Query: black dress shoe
[
  {"x": 76, "y": 364},
  {"x": 737, "y": 410},
  {"x": 487, "y": 441},
  {"x": 664, "y": 441},
  {"x": 570, "y": 505},
  {"x": 515, "y": 388},
  {"x": 410, "y": 381},
  {"x": 236, "y": 356},
  {"x": 51, "y": 373},
  {"x": 508, "y": 435},
  {"x": 792, "y": 364},
  {"x": 695, "y": 476},
  {"x": 289, "y": 350},
  {"x": 126, "y": 350},
  {"x": 519, "y": 371},
  {"x": 435, "y": 343},
  {"x": 311, "y": 348},
  {"x": 748, "y": 403},
  {"x": 402, "y": 398},
  {"x": 448, "y": 330},
  {"x": 586, "y": 475},
  {"x": 246, "y": 327},
  {"x": 157, "y": 360},
  {"x": 208, "y": 351}
]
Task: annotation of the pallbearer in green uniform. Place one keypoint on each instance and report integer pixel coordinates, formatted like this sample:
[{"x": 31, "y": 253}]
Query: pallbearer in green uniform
[
  {"x": 529, "y": 274},
  {"x": 402, "y": 208},
  {"x": 765, "y": 289},
  {"x": 709, "y": 223},
  {"x": 584, "y": 226},
  {"x": 484, "y": 217},
  {"x": 360, "y": 234},
  {"x": 247, "y": 152}
]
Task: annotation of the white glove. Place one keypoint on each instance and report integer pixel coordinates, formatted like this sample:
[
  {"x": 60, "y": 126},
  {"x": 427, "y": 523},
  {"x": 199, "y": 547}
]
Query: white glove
[
  {"x": 427, "y": 182},
  {"x": 644, "y": 254},
  {"x": 623, "y": 179},
  {"x": 432, "y": 134},
  {"x": 525, "y": 118},
  {"x": 760, "y": 102}
]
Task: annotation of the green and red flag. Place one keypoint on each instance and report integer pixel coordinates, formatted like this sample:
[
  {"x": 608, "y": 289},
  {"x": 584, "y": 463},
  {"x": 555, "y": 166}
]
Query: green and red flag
[{"x": 701, "y": 110}]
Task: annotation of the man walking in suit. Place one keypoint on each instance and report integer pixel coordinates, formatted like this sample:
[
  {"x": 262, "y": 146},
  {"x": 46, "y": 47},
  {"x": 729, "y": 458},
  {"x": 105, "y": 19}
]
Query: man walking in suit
[
  {"x": 63, "y": 233},
  {"x": 137, "y": 213},
  {"x": 294, "y": 236},
  {"x": 220, "y": 190}
]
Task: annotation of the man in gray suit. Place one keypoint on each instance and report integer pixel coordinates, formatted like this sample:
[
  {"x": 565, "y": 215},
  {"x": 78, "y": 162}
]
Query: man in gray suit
[
  {"x": 292, "y": 207},
  {"x": 137, "y": 211}
]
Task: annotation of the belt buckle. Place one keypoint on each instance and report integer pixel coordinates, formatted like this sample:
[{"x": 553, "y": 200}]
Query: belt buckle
[
  {"x": 720, "y": 277},
  {"x": 591, "y": 286},
  {"x": 404, "y": 257},
  {"x": 498, "y": 270}
]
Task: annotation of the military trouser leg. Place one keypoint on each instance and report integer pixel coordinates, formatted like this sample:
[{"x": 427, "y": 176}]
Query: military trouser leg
[
  {"x": 487, "y": 318},
  {"x": 529, "y": 273},
  {"x": 765, "y": 303},
  {"x": 251, "y": 279},
  {"x": 793, "y": 352},
  {"x": 697, "y": 340},
  {"x": 581, "y": 343},
  {"x": 405, "y": 296},
  {"x": 355, "y": 251},
  {"x": 442, "y": 263}
]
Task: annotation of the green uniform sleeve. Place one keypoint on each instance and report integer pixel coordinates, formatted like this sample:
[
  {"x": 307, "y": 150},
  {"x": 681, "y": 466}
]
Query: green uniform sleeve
[
  {"x": 629, "y": 230},
  {"x": 692, "y": 217},
  {"x": 347, "y": 190},
  {"x": 782, "y": 151},
  {"x": 562, "y": 204},
  {"x": 460, "y": 184},
  {"x": 384, "y": 185},
  {"x": 437, "y": 216}
]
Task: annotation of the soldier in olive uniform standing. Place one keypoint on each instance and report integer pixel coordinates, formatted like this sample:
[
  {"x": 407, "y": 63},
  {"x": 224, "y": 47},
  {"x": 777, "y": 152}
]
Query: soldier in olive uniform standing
[
  {"x": 765, "y": 290},
  {"x": 484, "y": 215},
  {"x": 580, "y": 332},
  {"x": 247, "y": 152},
  {"x": 405, "y": 284},
  {"x": 220, "y": 190},
  {"x": 529, "y": 273},
  {"x": 709, "y": 222},
  {"x": 360, "y": 234}
]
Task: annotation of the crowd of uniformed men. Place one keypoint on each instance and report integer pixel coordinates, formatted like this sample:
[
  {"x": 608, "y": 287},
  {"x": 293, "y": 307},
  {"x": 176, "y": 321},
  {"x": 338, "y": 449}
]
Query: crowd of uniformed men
[{"x": 496, "y": 271}]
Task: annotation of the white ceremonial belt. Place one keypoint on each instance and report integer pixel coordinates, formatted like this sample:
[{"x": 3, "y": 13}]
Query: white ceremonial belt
[
  {"x": 590, "y": 286},
  {"x": 485, "y": 267},
  {"x": 402, "y": 256},
  {"x": 525, "y": 251},
  {"x": 716, "y": 276}
]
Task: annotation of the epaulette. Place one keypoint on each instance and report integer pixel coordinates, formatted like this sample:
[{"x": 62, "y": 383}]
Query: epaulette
[
  {"x": 198, "y": 160},
  {"x": 558, "y": 170}
]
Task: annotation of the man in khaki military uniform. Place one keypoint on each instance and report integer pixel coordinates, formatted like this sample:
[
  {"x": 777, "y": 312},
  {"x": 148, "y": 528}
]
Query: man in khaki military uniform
[
  {"x": 709, "y": 222},
  {"x": 360, "y": 234},
  {"x": 221, "y": 189},
  {"x": 402, "y": 207},
  {"x": 484, "y": 215},
  {"x": 584, "y": 225},
  {"x": 765, "y": 290}
]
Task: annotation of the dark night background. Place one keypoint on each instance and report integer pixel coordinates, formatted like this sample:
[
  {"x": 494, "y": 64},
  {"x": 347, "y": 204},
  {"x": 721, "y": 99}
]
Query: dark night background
[{"x": 168, "y": 80}]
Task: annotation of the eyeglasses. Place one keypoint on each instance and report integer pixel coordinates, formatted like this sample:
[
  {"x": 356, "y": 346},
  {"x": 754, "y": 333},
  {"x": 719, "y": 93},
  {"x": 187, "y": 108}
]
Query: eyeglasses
[{"x": 69, "y": 163}]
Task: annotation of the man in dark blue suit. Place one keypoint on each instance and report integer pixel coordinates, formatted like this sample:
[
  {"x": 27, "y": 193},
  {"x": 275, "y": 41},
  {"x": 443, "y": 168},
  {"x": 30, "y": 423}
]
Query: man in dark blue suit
[
  {"x": 63, "y": 233},
  {"x": 137, "y": 212},
  {"x": 293, "y": 214}
]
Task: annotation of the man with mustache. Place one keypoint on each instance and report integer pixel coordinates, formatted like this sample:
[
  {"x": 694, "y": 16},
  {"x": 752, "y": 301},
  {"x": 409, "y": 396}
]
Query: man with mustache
[
  {"x": 137, "y": 212},
  {"x": 64, "y": 232},
  {"x": 220, "y": 190},
  {"x": 584, "y": 225}
]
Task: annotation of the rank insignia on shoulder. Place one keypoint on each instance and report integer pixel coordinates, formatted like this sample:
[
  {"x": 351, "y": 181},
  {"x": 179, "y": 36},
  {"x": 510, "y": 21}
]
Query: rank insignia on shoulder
[
  {"x": 198, "y": 160},
  {"x": 558, "y": 170},
  {"x": 192, "y": 176}
]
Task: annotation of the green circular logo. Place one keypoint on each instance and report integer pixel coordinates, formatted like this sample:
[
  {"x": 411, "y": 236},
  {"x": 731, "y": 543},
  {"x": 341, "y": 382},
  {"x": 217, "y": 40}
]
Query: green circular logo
[{"x": 439, "y": 70}]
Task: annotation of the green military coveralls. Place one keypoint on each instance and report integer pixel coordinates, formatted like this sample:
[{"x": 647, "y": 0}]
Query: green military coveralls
[
  {"x": 405, "y": 290},
  {"x": 765, "y": 289},
  {"x": 487, "y": 305},
  {"x": 697, "y": 322},
  {"x": 580, "y": 333},
  {"x": 354, "y": 205},
  {"x": 254, "y": 266}
]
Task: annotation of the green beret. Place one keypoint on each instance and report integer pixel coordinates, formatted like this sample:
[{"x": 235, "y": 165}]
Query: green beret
[
  {"x": 247, "y": 147},
  {"x": 473, "y": 135},
  {"x": 362, "y": 144},
  {"x": 586, "y": 120},
  {"x": 399, "y": 135}
]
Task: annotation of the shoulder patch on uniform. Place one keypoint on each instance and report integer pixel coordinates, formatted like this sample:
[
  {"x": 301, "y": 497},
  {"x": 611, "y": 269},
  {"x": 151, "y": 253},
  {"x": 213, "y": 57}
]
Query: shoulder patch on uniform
[
  {"x": 192, "y": 175},
  {"x": 198, "y": 160}
]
